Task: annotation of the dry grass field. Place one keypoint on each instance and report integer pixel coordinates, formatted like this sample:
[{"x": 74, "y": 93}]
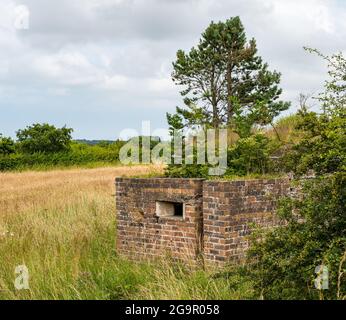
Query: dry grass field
[
  {"x": 61, "y": 225},
  {"x": 32, "y": 190}
]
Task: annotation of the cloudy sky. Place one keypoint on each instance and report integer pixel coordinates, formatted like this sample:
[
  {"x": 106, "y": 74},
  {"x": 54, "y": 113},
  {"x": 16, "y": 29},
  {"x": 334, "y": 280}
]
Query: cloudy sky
[{"x": 101, "y": 66}]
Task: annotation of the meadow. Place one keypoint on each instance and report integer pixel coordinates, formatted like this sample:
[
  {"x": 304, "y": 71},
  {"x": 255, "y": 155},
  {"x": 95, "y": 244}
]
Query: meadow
[{"x": 61, "y": 225}]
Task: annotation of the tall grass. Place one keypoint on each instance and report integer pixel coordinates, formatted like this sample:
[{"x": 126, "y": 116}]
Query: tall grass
[
  {"x": 285, "y": 129},
  {"x": 61, "y": 225}
]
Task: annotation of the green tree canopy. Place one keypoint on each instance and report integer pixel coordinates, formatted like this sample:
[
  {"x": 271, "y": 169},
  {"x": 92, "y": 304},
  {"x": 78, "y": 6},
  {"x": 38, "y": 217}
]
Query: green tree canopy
[
  {"x": 225, "y": 81},
  {"x": 44, "y": 138},
  {"x": 7, "y": 145}
]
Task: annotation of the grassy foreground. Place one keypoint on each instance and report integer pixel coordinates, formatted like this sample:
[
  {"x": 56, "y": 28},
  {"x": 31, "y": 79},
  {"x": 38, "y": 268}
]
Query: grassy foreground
[{"x": 61, "y": 225}]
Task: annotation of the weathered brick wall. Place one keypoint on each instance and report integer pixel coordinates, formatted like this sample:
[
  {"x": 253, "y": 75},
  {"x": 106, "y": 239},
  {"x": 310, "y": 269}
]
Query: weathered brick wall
[
  {"x": 217, "y": 220},
  {"x": 142, "y": 234},
  {"x": 230, "y": 209}
]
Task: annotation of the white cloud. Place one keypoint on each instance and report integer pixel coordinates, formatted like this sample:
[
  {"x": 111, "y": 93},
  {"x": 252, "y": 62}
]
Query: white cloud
[
  {"x": 114, "y": 83},
  {"x": 68, "y": 68},
  {"x": 58, "y": 91},
  {"x": 163, "y": 85},
  {"x": 113, "y": 54}
]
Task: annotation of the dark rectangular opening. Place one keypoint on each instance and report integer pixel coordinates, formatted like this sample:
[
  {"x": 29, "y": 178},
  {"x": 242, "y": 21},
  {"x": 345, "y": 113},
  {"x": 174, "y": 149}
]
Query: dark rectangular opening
[
  {"x": 169, "y": 209},
  {"x": 178, "y": 209}
]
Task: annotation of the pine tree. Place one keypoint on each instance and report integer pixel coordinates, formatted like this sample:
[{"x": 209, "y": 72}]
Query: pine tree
[{"x": 225, "y": 82}]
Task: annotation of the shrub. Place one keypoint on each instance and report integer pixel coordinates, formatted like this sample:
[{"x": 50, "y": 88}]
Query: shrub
[
  {"x": 315, "y": 232},
  {"x": 44, "y": 138},
  {"x": 187, "y": 171},
  {"x": 251, "y": 156},
  {"x": 286, "y": 259},
  {"x": 322, "y": 146}
]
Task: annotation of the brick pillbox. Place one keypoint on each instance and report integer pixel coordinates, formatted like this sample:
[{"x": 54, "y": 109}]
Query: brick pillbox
[{"x": 193, "y": 219}]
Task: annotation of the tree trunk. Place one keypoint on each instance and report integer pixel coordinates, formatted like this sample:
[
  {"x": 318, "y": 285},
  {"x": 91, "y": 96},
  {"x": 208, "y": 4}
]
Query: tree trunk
[
  {"x": 214, "y": 102},
  {"x": 229, "y": 94}
]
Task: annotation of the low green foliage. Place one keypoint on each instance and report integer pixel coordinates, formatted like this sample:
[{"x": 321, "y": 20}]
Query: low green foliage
[
  {"x": 187, "y": 171},
  {"x": 323, "y": 143},
  {"x": 45, "y": 147},
  {"x": 248, "y": 156},
  {"x": 79, "y": 154},
  {"x": 286, "y": 259},
  {"x": 251, "y": 156}
]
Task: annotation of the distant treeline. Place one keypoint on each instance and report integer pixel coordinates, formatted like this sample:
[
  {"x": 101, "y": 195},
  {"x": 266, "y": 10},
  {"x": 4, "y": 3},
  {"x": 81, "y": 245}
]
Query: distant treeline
[
  {"x": 94, "y": 142},
  {"x": 42, "y": 146},
  {"x": 78, "y": 154}
]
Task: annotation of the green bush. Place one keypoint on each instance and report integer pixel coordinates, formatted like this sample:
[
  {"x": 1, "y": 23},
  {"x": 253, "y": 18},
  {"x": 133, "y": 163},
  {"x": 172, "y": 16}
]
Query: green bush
[
  {"x": 187, "y": 171},
  {"x": 322, "y": 146},
  {"x": 315, "y": 235},
  {"x": 287, "y": 258},
  {"x": 251, "y": 156}
]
